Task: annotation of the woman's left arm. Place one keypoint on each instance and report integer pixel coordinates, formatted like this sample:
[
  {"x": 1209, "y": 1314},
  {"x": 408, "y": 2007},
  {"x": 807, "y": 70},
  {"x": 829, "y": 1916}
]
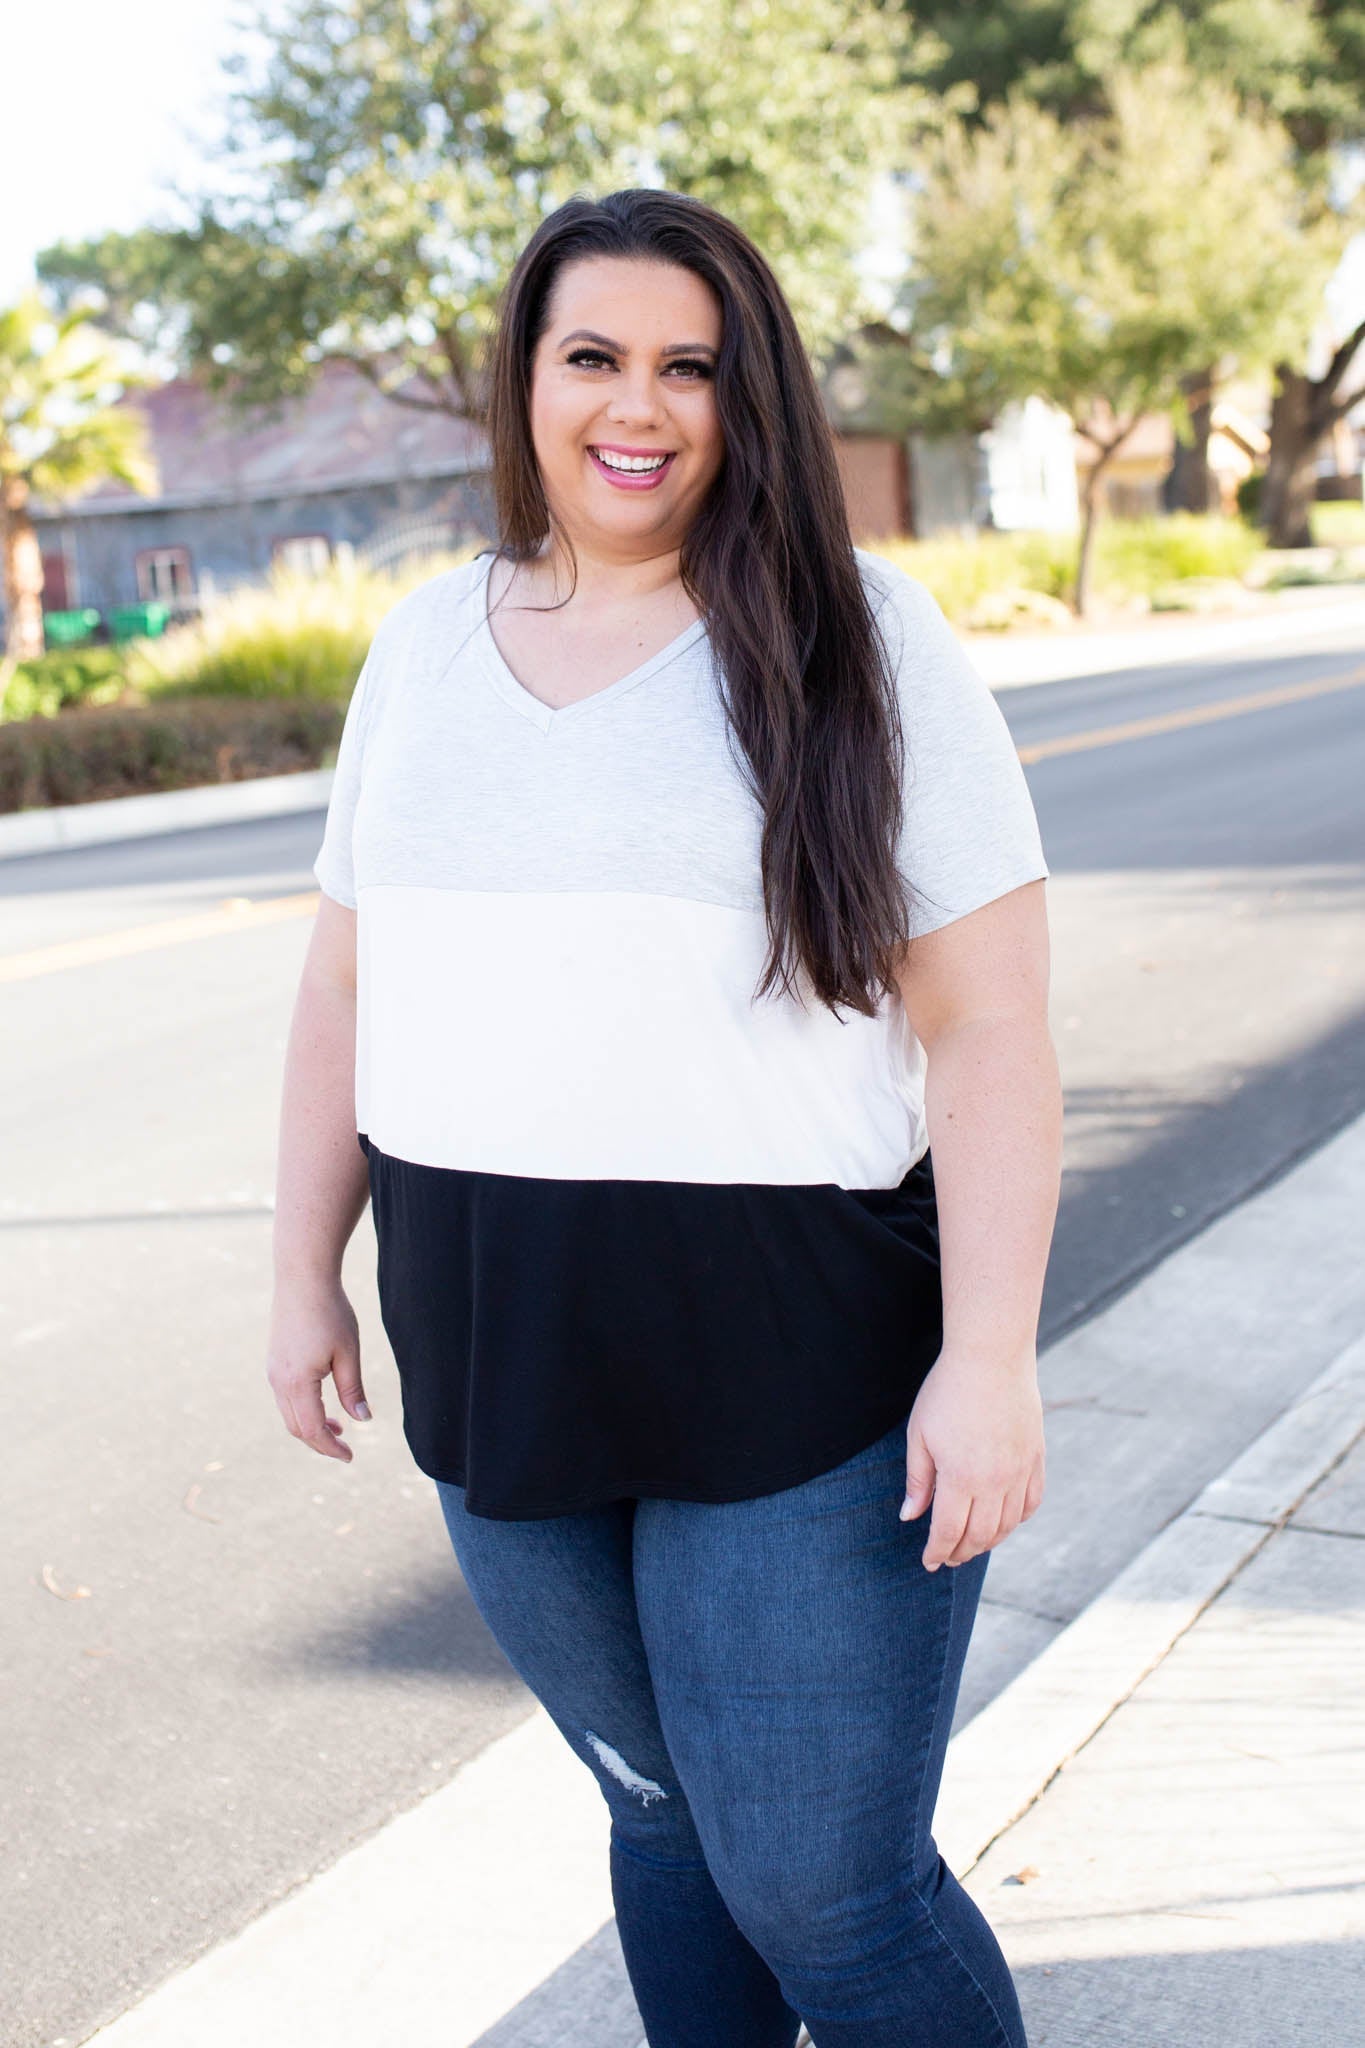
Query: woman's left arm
[{"x": 975, "y": 994}]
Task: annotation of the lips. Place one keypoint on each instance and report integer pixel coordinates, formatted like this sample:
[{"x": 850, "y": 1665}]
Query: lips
[{"x": 633, "y": 479}]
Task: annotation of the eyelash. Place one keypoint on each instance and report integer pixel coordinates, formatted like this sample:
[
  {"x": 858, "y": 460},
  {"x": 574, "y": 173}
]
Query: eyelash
[{"x": 598, "y": 355}]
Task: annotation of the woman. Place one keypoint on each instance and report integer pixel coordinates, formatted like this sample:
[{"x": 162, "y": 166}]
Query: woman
[{"x": 679, "y": 876}]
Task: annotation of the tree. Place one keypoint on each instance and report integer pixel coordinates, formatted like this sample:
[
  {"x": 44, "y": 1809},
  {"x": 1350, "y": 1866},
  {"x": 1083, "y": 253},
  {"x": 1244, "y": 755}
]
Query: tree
[
  {"x": 1301, "y": 61},
  {"x": 1090, "y": 262},
  {"x": 389, "y": 162},
  {"x": 1303, "y": 412},
  {"x": 60, "y": 434},
  {"x": 1295, "y": 59}
]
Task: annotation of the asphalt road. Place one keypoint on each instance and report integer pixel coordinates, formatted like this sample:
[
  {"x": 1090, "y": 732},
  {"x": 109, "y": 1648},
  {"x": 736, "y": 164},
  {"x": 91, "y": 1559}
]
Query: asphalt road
[{"x": 273, "y": 1653}]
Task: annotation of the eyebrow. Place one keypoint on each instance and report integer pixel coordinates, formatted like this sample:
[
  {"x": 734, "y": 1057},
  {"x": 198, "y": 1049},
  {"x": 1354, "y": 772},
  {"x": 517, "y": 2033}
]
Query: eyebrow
[{"x": 618, "y": 348}]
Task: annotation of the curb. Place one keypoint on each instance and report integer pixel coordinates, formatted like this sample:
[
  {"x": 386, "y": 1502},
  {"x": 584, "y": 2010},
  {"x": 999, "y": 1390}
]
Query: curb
[
  {"x": 1014, "y": 661},
  {"x": 367, "y": 1951},
  {"x": 1009, "y": 1752},
  {"x": 165, "y": 810}
]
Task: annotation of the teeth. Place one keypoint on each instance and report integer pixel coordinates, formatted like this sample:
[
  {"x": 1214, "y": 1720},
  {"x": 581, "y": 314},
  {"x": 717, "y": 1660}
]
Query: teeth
[{"x": 630, "y": 461}]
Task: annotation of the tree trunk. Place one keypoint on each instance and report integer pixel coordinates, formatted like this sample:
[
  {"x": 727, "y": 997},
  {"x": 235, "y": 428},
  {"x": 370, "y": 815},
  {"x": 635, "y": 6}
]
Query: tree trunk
[
  {"x": 1297, "y": 430},
  {"x": 23, "y": 570},
  {"x": 1190, "y": 485},
  {"x": 1090, "y": 512}
]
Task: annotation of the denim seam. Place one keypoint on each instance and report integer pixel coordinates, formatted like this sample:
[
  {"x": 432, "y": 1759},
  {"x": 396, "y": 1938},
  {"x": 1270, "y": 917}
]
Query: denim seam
[
  {"x": 922, "y": 1820},
  {"x": 932, "y": 1917}
]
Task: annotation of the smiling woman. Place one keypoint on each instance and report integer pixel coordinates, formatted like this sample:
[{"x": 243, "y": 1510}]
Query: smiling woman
[
  {"x": 678, "y": 869},
  {"x": 627, "y": 446}
]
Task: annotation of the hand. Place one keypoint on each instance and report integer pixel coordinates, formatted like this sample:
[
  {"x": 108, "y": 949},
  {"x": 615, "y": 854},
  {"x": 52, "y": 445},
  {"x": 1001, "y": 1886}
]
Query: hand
[
  {"x": 974, "y": 1445},
  {"x": 313, "y": 1332}
]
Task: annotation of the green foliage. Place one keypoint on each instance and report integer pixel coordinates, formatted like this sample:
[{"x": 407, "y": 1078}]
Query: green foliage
[
  {"x": 1305, "y": 64},
  {"x": 1134, "y": 558},
  {"x": 1249, "y": 492},
  {"x": 1089, "y": 263},
  {"x": 60, "y": 429},
  {"x": 1337, "y": 523},
  {"x": 122, "y": 750},
  {"x": 293, "y": 636},
  {"x": 60, "y": 678},
  {"x": 962, "y": 569},
  {"x": 1142, "y": 554},
  {"x": 390, "y": 162}
]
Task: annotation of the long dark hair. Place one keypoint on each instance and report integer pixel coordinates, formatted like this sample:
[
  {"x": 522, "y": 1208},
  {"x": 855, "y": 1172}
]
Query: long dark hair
[{"x": 768, "y": 561}]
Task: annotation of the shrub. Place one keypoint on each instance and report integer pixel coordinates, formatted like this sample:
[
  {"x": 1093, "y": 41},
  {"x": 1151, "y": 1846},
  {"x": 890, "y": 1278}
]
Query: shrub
[
  {"x": 63, "y": 676},
  {"x": 293, "y": 636},
  {"x": 963, "y": 569},
  {"x": 125, "y": 750},
  {"x": 1138, "y": 555},
  {"x": 1249, "y": 492},
  {"x": 1133, "y": 558},
  {"x": 1337, "y": 523}
]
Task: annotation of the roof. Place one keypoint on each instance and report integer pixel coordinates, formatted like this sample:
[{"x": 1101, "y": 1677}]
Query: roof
[
  {"x": 340, "y": 434},
  {"x": 1240, "y": 427}
]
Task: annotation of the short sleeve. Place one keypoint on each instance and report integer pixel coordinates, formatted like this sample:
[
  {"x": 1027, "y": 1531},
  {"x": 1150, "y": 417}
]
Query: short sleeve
[
  {"x": 334, "y": 866},
  {"x": 969, "y": 832}
]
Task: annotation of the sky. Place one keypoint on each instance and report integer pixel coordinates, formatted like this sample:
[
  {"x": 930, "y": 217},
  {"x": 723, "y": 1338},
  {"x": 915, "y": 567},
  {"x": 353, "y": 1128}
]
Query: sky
[{"x": 104, "y": 103}]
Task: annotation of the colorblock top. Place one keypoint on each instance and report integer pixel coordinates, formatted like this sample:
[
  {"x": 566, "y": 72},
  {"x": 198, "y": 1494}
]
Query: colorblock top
[{"x": 639, "y": 1234}]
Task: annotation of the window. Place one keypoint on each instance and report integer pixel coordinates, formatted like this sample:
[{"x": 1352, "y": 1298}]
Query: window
[
  {"x": 164, "y": 575},
  {"x": 306, "y": 554}
]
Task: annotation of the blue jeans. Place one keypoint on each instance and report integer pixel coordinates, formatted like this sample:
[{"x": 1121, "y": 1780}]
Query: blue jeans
[{"x": 763, "y": 1690}]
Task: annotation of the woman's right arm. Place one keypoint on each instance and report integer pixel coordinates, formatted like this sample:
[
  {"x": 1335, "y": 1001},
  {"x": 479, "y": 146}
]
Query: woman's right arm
[{"x": 321, "y": 1188}]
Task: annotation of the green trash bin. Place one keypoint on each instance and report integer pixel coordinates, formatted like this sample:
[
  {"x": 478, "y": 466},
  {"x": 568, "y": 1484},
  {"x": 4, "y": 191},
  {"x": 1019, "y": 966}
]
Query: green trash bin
[
  {"x": 137, "y": 621},
  {"x": 69, "y": 629}
]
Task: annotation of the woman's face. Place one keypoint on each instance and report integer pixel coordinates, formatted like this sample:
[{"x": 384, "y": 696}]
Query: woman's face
[{"x": 626, "y": 369}]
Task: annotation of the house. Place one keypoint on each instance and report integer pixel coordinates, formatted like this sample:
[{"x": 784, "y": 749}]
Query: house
[
  {"x": 1340, "y": 459},
  {"x": 342, "y": 467},
  {"x": 1017, "y": 476},
  {"x": 1020, "y": 473},
  {"x": 1134, "y": 483}
]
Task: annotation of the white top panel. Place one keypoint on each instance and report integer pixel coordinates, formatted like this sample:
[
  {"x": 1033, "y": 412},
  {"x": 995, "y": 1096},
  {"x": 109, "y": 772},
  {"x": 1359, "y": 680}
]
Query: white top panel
[
  {"x": 561, "y": 920},
  {"x": 600, "y": 1037}
]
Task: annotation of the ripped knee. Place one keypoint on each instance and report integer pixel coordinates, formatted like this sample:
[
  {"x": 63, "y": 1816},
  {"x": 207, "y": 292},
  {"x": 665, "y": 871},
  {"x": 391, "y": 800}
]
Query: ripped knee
[{"x": 611, "y": 1760}]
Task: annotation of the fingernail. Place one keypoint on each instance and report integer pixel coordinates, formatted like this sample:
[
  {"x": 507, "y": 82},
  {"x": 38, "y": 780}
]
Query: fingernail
[
  {"x": 362, "y": 1409},
  {"x": 905, "y": 1509}
]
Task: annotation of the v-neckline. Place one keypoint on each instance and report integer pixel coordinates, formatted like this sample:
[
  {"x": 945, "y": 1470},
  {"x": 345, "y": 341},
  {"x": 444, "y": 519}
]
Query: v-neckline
[{"x": 550, "y": 716}]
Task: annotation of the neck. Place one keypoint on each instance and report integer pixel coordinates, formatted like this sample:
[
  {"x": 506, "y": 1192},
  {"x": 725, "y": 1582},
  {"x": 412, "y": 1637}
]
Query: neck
[{"x": 602, "y": 578}]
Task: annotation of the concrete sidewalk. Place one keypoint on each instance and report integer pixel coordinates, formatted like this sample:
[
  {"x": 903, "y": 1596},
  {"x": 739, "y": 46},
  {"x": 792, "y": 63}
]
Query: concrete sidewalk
[{"x": 1196, "y": 1871}]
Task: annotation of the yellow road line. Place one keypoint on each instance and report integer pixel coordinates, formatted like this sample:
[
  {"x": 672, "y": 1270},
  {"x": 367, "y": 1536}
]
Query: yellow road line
[
  {"x": 1196, "y": 714},
  {"x": 238, "y": 913}
]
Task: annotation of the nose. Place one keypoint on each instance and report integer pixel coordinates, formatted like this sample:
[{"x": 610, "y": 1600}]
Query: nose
[{"x": 635, "y": 397}]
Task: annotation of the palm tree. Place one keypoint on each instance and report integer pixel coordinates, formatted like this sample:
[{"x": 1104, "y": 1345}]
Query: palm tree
[{"x": 60, "y": 434}]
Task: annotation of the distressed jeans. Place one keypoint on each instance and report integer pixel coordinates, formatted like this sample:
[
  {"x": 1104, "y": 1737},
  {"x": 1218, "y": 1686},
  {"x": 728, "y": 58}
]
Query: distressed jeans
[{"x": 763, "y": 1691}]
